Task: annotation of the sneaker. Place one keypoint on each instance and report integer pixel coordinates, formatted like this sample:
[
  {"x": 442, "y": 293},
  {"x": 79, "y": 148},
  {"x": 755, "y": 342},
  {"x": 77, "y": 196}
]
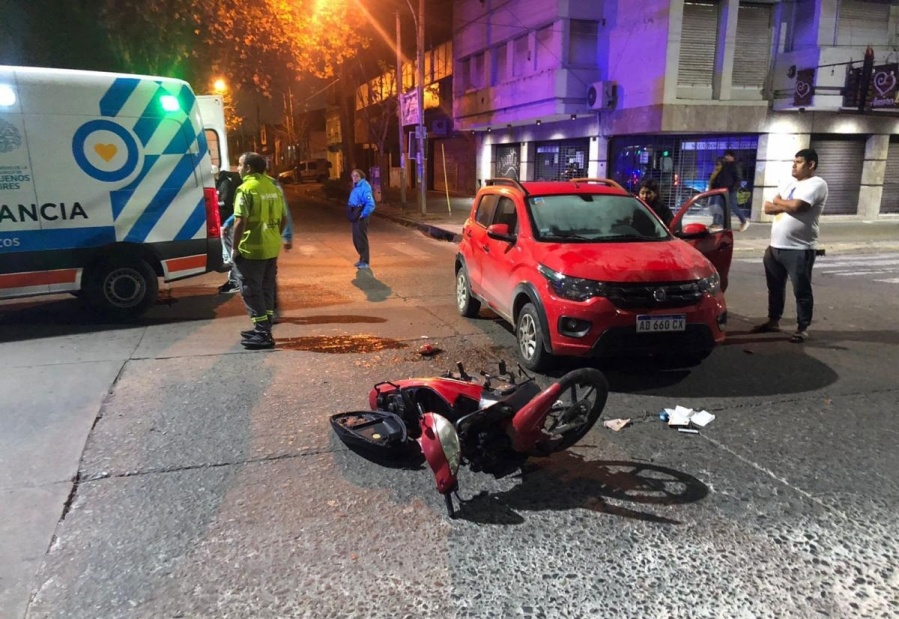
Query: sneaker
[
  {"x": 362, "y": 265},
  {"x": 799, "y": 337},
  {"x": 744, "y": 226},
  {"x": 770, "y": 326},
  {"x": 258, "y": 340},
  {"x": 229, "y": 287}
]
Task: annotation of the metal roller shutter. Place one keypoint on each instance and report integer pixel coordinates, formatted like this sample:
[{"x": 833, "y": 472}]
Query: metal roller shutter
[
  {"x": 561, "y": 160},
  {"x": 840, "y": 163},
  {"x": 863, "y": 23},
  {"x": 753, "y": 45},
  {"x": 890, "y": 201},
  {"x": 698, "y": 39}
]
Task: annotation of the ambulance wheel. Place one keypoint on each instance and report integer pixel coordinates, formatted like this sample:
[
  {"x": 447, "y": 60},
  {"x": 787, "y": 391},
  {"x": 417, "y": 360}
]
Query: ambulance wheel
[{"x": 121, "y": 287}]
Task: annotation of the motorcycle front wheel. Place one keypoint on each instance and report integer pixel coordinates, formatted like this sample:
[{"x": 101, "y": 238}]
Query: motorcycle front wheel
[{"x": 580, "y": 403}]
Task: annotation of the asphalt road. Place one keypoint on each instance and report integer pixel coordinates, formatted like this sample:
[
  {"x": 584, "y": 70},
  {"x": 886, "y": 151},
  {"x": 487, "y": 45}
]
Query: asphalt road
[{"x": 159, "y": 470}]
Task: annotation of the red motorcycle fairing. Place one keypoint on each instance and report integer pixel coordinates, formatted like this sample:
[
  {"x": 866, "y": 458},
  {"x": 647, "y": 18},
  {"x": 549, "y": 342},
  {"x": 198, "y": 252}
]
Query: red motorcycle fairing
[
  {"x": 526, "y": 428},
  {"x": 435, "y": 456},
  {"x": 449, "y": 389}
]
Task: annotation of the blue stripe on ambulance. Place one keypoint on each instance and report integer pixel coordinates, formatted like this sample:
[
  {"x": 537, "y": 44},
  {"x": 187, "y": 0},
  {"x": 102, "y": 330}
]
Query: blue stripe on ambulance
[
  {"x": 193, "y": 224},
  {"x": 121, "y": 196},
  {"x": 148, "y": 128},
  {"x": 151, "y": 118},
  {"x": 182, "y": 171},
  {"x": 114, "y": 99},
  {"x": 63, "y": 238}
]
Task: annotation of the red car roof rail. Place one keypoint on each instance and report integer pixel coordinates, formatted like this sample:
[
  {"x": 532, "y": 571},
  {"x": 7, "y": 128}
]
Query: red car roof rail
[
  {"x": 511, "y": 182},
  {"x": 599, "y": 181}
]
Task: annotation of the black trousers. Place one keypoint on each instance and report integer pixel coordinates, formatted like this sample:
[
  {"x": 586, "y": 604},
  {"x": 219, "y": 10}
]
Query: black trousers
[
  {"x": 360, "y": 238},
  {"x": 257, "y": 287},
  {"x": 795, "y": 264}
]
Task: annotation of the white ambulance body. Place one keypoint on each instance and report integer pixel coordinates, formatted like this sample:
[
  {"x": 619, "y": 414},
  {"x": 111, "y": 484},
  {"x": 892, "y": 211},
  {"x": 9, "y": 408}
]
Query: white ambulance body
[{"x": 105, "y": 185}]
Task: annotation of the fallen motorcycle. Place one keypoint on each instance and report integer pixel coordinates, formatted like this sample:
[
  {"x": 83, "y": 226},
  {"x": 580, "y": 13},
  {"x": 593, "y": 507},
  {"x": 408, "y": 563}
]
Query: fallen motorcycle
[{"x": 492, "y": 423}]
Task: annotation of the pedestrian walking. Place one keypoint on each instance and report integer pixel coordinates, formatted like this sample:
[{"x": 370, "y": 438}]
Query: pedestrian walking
[
  {"x": 648, "y": 191},
  {"x": 728, "y": 177},
  {"x": 794, "y": 236},
  {"x": 259, "y": 221},
  {"x": 360, "y": 206}
]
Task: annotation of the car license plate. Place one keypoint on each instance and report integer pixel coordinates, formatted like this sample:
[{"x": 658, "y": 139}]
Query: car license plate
[{"x": 663, "y": 323}]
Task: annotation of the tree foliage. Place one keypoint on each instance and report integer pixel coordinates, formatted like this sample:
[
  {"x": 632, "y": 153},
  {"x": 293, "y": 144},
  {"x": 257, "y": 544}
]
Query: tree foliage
[{"x": 256, "y": 45}]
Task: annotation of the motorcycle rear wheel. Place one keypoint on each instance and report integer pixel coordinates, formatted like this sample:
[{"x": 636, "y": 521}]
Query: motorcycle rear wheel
[{"x": 581, "y": 401}]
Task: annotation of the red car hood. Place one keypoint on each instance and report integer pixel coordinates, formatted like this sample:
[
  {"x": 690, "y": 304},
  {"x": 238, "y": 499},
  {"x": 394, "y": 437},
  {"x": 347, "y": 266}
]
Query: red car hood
[{"x": 661, "y": 261}]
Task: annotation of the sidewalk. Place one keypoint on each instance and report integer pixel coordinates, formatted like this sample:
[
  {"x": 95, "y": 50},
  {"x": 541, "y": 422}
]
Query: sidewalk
[{"x": 444, "y": 217}]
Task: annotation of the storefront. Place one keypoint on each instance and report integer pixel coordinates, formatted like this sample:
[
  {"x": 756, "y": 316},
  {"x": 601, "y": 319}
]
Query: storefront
[
  {"x": 507, "y": 161},
  {"x": 681, "y": 164},
  {"x": 890, "y": 201},
  {"x": 840, "y": 162},
  {"x": 561, "y": 159}
]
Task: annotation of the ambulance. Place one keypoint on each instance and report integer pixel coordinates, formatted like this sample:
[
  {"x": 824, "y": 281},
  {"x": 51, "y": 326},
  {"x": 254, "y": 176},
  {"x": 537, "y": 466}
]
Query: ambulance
[{"x": 105, "y": 186}]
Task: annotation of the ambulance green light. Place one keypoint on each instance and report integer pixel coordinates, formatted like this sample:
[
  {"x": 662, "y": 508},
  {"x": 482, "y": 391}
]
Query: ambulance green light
[
  {"x": 7, "y": 96},
  {"x": 170, "y": 103}
]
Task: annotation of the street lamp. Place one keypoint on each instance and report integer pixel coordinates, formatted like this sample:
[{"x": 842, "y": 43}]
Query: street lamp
[{"x": 219, "y": 86}]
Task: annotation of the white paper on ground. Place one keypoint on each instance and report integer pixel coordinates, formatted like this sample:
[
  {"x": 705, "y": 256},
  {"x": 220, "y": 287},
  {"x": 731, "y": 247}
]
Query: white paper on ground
[
  {"x": 679, "y": 416},
  {"x": 702, "y": 418}
]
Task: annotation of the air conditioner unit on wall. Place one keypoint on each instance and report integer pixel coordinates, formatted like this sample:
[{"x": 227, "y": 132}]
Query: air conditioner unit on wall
[{"x": 602, "y": 96}]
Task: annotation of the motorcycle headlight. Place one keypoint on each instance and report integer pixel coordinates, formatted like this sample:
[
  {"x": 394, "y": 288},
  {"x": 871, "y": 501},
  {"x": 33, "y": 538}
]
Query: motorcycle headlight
[
  {"x": 449, "y": 441},
  {"x": 572, "y": 288},
  {"x": 711, "y": 284}
]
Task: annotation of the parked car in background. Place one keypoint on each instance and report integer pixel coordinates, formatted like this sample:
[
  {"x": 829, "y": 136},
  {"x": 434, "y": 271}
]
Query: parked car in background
[
  {"x": 313, "y": 170},
  {"x": 583, "y": 268}
]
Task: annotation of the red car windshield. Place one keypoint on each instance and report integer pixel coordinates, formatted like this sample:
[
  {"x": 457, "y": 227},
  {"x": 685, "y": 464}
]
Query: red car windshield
[{"x": 593, "y": 218}]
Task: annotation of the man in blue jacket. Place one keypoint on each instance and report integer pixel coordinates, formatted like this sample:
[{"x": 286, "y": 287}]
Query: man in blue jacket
[{"x": 360, "y": 206}]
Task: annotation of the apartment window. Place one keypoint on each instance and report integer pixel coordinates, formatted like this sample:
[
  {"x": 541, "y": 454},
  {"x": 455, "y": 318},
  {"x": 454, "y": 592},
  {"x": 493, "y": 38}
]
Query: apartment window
[
  {"x": 698, "y": 42},
  {"x": 547, "y": 55},
  {"x": 753, "y": 46},
  {"x": 500, "y": 72},
  {"x": 861, "y": 23},
  {"x": 582, "y": 42},
  {"x": 521, "y": 56},
  {"x": 477, "y": 71}
]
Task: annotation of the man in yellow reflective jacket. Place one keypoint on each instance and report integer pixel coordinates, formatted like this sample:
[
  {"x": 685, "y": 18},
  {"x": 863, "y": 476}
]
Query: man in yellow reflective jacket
[{"x": 259, "y": 220}]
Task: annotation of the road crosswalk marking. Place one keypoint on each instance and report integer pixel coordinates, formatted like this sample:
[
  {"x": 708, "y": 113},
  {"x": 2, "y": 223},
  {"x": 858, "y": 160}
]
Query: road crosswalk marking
[{"x": 861, "y": 265}]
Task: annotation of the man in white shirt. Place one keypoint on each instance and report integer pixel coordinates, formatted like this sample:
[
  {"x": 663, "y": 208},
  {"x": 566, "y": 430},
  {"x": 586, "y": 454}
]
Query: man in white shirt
[{"x": 794, "y": 236}]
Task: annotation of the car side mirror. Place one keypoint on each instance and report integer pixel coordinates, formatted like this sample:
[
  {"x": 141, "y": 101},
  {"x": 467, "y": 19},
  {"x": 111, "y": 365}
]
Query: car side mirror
[
  {"x": 500, "y": 232},
  {"x": 693, "y": 231}
]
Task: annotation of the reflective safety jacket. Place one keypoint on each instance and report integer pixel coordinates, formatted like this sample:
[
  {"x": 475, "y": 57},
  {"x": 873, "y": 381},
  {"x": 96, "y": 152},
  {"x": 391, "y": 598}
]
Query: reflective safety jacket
[{"x": 261, "y": 205}]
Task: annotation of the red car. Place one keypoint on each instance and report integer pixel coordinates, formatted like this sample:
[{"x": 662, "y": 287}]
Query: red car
[{"x": 583, "y": 268}]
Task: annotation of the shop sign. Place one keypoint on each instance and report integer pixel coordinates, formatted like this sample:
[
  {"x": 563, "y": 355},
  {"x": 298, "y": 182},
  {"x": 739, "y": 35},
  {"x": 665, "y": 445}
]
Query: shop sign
[{"x": 805, "y": 87}]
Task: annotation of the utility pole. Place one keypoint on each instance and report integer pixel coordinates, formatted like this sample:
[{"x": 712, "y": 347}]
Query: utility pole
[
  {"x": 420, "y": 78},
  {"x": 399, "y": 110}
]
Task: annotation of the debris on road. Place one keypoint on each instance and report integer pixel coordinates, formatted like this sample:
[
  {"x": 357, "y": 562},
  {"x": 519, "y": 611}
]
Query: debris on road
[
  {"x": 682, "y": 417},
  {"x": 616, "y": 425},
  {"x": 427, "y": 350}
]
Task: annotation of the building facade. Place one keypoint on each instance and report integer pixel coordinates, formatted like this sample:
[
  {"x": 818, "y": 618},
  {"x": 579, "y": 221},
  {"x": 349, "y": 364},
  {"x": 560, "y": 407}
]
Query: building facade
[{"x": 554, "y": 89}]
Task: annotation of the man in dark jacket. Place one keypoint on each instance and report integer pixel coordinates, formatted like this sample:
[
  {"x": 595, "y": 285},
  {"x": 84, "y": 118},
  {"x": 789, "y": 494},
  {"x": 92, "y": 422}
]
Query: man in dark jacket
[{"x": 729, "y": 178}]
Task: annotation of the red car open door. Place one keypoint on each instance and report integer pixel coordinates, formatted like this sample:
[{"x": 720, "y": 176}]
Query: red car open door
[{"x": 704, "y": 222}]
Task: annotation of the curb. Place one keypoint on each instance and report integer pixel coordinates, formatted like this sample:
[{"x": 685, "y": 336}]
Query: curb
[{"x": 432, "y": 230}]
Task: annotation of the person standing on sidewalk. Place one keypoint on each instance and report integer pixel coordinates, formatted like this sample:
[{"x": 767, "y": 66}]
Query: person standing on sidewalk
[
  {"x": 794, "y": 236},
  {"x": 728, "y": 177},
  {"x": 360, "y": 206},
  {"x": 259, "y": 221}
]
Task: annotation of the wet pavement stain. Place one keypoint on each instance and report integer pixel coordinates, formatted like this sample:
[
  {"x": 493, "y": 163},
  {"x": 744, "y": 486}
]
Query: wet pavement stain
[{"x": 339, "y": 344}]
